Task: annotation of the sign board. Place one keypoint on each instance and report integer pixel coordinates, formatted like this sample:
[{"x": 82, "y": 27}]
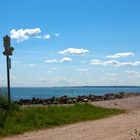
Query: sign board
[
  {"x": 8, "y": 51},
  {"x": 9, "y": 63},
  {"x": 6, "y": 41}
]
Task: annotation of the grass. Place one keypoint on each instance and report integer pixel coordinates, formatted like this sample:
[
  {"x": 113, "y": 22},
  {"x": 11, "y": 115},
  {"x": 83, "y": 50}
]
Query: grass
[
  {"x": 31, "y": 118},
  {"x": 5, "y": 109}
]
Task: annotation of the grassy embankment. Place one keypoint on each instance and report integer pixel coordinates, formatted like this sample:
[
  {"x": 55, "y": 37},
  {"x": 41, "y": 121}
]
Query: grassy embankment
[{"x": 18, "y": 120}]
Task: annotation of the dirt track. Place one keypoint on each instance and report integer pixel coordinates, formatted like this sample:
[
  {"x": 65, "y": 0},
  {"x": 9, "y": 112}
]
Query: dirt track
[{"x": 113, "y": 128}]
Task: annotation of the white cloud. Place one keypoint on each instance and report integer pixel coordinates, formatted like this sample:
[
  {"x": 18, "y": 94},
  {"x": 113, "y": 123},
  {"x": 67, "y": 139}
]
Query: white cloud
[
  {"x": 117, "y": 63},
  {"x": 120, "y": 55},
  {"x": 38, "y": 36},
  {"x": 95, "y": 62},
  {"x": 111, "y": 74},
  {"x": 66, "y": 59},
  {"x": 51, "y": 61},
  {"x": 57, "y": 35},
  {"x": 136, "y": 63},
  {"x": 113, "y": 63},
  {"x": 24, "y": 34},
  {"x": 74, "y": 51},
  {"x": 47, "y": 36},
  {"x": 50, "y": 71},
  {"x": 132, "y": 72},
  {"x": 32, "y": 65},
  {"x": 82, "y": 70}
]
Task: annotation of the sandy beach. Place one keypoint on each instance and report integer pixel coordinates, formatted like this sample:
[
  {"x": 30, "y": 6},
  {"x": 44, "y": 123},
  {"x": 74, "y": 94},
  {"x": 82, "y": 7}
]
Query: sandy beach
[{"x": 120, "y": 127}]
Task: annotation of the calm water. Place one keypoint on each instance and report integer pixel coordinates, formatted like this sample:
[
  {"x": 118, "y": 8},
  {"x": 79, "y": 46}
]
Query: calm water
[{"x": 27, "y": 93}]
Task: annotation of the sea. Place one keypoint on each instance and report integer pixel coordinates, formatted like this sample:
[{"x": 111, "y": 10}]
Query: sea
[{"x": 18, "y": 93}]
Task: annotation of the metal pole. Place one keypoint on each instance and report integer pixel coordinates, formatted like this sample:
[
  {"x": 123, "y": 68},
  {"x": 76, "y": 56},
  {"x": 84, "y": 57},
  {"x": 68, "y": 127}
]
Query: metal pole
[{"x": 8, "y": 80}]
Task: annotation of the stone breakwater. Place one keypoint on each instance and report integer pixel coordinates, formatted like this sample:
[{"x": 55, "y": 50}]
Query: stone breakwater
[{"x": 71, "y": 100}]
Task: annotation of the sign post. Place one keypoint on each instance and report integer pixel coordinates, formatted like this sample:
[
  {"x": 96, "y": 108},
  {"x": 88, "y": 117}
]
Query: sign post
[{"x": 8, "y": 51}]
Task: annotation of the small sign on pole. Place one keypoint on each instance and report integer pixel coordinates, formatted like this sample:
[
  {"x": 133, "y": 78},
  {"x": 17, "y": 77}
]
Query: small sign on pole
[
  {"x": 9, "y": 63},
  {"x": 8, "y": 51},
  {"x": 6, "y": 41}
]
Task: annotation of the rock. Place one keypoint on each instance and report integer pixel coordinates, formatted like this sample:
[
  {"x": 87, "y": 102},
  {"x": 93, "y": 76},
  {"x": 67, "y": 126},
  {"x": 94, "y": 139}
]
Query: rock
[
  {"x": 70, "y": 100},
  {"x": 85, "y": 100}
]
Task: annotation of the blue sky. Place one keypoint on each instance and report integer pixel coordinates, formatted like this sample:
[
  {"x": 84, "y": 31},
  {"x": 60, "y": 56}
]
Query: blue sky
[{"x": 71, "y": 42}]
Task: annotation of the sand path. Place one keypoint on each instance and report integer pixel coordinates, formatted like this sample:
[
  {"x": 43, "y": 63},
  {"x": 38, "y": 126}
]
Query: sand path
[{"x": 113, "y": 128}]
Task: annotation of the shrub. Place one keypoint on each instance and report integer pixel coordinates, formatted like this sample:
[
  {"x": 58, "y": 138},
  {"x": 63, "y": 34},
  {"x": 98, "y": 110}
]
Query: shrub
[
  {"x": 5, "y": 109},
  {"x": 3, "y": 102}
]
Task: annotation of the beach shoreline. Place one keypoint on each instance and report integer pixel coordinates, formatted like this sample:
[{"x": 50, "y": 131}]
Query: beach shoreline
[
  {"x": 117, "y": 127},
  {"x": 71, "y": 100}
]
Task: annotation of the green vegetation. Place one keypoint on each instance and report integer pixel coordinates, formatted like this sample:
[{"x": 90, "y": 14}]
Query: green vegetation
[
  {"x": 5, "y": 109},
  {"x": 18, "y": 120}
]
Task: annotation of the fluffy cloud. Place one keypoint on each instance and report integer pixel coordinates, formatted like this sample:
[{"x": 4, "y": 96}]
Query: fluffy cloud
[
  {"x": 57, "y": 35},
  {"x": 24, "y": 34},
  {"x": 117, "y": 63},
  {"x": 74, "y": 51},
  {"x": 95, "y": 62},
  {"x": 32, "y": 65},
  {"x": 113, "y": 63},
  {"x": 136, "y": 63},
  {"x": 120, "y": 55},
  {"x": 65, "y": 59},
  {"x": 47, "y": 36},
  {"x": 51, "y": 61}
]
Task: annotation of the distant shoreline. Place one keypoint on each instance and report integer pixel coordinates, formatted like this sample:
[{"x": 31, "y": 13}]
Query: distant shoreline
[{"x": 77, "y": 87}]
